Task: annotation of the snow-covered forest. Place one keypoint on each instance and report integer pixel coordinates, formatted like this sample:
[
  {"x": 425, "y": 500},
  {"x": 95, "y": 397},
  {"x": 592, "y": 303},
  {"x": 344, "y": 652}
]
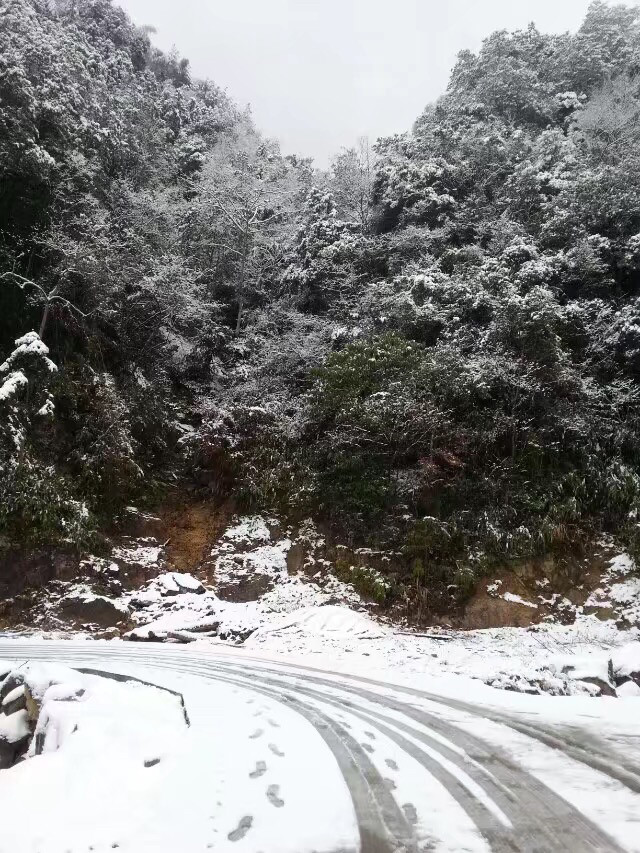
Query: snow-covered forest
[{"x": 432, "y": 347}]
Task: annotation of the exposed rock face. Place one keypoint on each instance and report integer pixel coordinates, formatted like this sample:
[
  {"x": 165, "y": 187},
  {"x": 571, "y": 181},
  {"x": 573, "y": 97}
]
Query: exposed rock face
[
  {"x": 485, "y": 611},
  {"x": 176, "y": 583},
  {"x": 139, "y": 560},
  {"x": 138, "y": 524},
  {"x": 603, "y": 583},
  {"x": 247, "y": 562},
  {"x": 296, "y": 557},
  {"x": 19, "y": 571},
  {"x": 244, "y": 589},
  {"x": 255, "y": 556},
  {"x": 93, "y": 610}
]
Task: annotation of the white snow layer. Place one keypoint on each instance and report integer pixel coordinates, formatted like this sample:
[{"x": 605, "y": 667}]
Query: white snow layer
[{"x": 97, "y": 749}]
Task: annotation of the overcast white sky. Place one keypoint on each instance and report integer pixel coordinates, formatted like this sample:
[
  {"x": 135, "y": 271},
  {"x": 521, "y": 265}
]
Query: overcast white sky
[{"x": 320, "y": 73}]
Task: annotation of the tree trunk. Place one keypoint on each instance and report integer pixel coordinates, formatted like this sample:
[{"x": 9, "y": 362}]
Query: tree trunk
[
  {"x": 43, "y": 322},
  {"x": 239, "y": 317},
  {"x": 47, "y": 310},
  {"x": 243, "y": 269}
]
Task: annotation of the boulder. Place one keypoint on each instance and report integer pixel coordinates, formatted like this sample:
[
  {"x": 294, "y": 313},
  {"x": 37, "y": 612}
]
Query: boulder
[
  {"x": 94, "y": 610},
  {"x": 245, "y": 588},
  {"x": 295, "y": 558},
  {"x": 109, "y": 634},
  {"x": 167, "y": 584},
  {"x": 14, "y": 701},
  {"x": 602, "y": 687},
  {"x": 32, "y": 706},
  {"x": 15, "y": 735},
  {"x": 11, "y": 681},
  {"x": 137, "y": 524},
  {"x": 597, "y": 673},
  {"x": 7, "y": 754},
  {"x": 187, "y": 583},
  {"x": 625, "y": 664},
  {"x": 178, "y": 583},
  {"x": 629, "y": 688}
]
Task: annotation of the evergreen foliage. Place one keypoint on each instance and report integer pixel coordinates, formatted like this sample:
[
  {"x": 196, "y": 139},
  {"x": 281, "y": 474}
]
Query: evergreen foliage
[{"x": 435, "y": 345}]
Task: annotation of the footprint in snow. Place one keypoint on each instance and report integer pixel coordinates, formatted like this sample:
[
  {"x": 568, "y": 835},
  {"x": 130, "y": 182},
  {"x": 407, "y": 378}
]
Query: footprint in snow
[
  {"x": 258, "y": 733},
  {"x": 391, "y": 763},
  {"x": 368, "y": 747},
  {"x": 242, "y": 828},
  {"x": 261, "y": 769},
  {"x": 391, "y": 785},
  {"x": 272, "y": 795},
  {"x": 274, "y": 749},
  {"x": 273, "y": 724}
]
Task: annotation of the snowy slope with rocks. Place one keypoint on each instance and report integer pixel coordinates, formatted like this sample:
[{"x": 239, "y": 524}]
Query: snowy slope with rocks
[
  {"x": 253, "y": 585},
  {"x": 251, "y": 591}
]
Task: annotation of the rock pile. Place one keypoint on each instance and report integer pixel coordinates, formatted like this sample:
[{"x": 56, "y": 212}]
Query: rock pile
[
  {"x": 24, "y": 725},
  {"x": 616, "y": 675}
]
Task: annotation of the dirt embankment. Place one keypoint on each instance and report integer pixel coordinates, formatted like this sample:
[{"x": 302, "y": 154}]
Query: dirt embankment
[
  {"x": 540, "y": 590},
  {"x": 182, "y": 535},
  {"x": 191, "y": 531}
]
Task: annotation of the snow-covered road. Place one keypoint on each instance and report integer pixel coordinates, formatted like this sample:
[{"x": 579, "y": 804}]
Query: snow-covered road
[{"x": 287, "y": 759}]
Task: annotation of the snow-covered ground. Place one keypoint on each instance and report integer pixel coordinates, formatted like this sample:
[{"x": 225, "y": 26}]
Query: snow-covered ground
[
  {"x": 259, "y": 601},
  {"x": 96, "y": 745},
  {"x": 546, "y": 658},
  {"x": 316, "y": 726},
  {"x": 286, "y": 758},
  {"x": 315, "y": 616}
]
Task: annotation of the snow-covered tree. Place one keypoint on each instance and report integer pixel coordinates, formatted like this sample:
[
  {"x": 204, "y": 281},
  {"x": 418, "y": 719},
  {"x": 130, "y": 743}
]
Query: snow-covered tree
[{"x": 25, "y": 378}]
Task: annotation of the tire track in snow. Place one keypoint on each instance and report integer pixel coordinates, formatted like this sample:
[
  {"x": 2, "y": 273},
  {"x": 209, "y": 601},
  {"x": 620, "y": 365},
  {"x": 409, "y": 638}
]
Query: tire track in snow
[
  {"x": 538, "y": 816},
  {"x": 541, "y": 819},
  {"x": 623, "y": 770},
  {"x": 382, "y": 825}
]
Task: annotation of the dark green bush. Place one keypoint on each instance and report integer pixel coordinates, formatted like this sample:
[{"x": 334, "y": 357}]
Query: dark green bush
[{"x": 37, "y": 507}]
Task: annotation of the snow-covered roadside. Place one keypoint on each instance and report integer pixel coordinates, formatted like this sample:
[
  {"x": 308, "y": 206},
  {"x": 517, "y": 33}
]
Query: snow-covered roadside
[
  {"x": 123, "y": 771},
  {"x": 457, "y": 670},
  {"x": 550, "y": 658},
  {"x": 254, "y": 775},
  {"x": 55, "y": 794},
  {"x": 313, "y": 615},
  {"x": 544, "y": 658},
  {"x": 296, "y": 620},
  {"x": 259, "y": 598},
  {"x": 245, "y": 777}
]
